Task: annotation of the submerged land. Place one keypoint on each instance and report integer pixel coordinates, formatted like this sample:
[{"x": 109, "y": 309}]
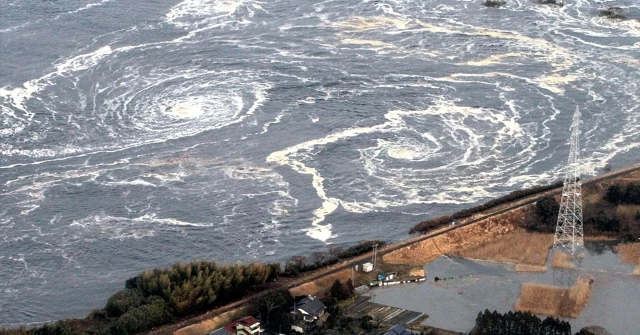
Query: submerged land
[{"x": 515, "y": 232}]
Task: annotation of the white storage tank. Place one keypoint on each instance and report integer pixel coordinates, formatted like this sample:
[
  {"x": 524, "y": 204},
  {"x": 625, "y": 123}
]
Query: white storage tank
[{"x": 367, "y": 267}]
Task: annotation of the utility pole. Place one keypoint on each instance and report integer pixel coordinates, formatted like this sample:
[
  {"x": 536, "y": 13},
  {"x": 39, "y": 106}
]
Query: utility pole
[
  {"x": 353, "y": 276},
  {"x": 375, "y": 254},
  {"x": 569, "y": 233}
]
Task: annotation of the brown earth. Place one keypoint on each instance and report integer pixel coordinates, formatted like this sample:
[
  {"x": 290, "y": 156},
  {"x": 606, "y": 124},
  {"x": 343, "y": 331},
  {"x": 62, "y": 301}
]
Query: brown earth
[
  {"x": 630, "y": 253},
  {"x": 417, "y": 272},
  {"x": 463, "y": 238},
  {"x": 530, "y": 268},
  {"x": 518, "y": 246},
  {"x": 562, "y": 260},
  {"x": 554, "y": 300},
  {"x": 320, "y": 286},
  {"x": 214, "y": 323}
]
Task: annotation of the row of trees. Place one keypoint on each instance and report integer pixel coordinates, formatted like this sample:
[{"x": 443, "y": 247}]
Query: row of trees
[
  {"x": 158, "y": 296},
  {"x": 196, "y": 286},
  {"x": 627, "y": 219},
  {"x": 546, "y": 216},
  {"x": 518, "y": 323},
  {"x": 597, "y": 218},
  {"x": 619, "y": 194},
  {"x": 428, "y": 225}
]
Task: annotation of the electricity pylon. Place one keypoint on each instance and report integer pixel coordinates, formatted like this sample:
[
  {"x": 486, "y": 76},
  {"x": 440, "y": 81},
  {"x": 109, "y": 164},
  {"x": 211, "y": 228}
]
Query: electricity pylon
[{"x": 569, "y": 235}]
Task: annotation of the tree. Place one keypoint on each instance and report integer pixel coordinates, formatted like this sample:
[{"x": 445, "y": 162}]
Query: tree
[
  {"x": 295, "y": 265},
  {"x": 273, "y": 307},
  {"x": 123, "y": 300},
  {"x": 126, "y": 324},
  {"x": 519, "y": 323},
  {"x": 614, "y": 194},
  {"x": 365, "y": 322},
  {"x": 593, "y": 330},
  {"x": 632, "y": 194},
  {"x": 547, "y": 210},
  {"x": 349, "y": 287},
  {"x": 339, "y": 291},
  {"x": 319, "y": 258},
  {"x": 57, "y": 328},
  {"x": 605, "y": 223}
]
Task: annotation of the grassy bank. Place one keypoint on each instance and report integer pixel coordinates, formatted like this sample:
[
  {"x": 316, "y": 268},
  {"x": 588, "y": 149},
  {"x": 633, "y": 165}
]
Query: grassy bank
[
  {"x": 553, "y": 300},
  {"x": 520, "y": 247},
  {"x": 630, "y": 253}
]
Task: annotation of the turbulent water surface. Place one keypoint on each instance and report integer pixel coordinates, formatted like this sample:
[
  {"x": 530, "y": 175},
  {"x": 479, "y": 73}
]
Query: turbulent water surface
[{"x": 135, "y": 134}]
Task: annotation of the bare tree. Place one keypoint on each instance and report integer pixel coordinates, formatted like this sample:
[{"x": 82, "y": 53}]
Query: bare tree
[{"x": 270, "y": 303}]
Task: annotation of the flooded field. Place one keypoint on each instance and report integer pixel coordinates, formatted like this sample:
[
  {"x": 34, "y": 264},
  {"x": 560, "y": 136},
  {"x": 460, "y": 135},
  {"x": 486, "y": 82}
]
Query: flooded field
[{"x": 466, "y": 287}]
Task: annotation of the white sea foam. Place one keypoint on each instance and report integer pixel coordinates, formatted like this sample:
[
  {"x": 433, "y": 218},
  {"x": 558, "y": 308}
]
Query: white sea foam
[
  {"x": 14, "y": 28},
  {"x": 18, "y": 96},
  {"x": 186, "y": 110},
  {"x": 494, "y": 59},
  {"x": 114, "y": 227},
  {"x": 561, "y": 59},
  {"x": 89, "y": 6},
  {"x": 452, "y": 117},
  {"x": 81, "y": 9},
  {"x": 206, "y": 14},
  {"x": 374, "y": 43},
  {"x": 196, "y": 101},
  {"x": 132, "y": 182}
]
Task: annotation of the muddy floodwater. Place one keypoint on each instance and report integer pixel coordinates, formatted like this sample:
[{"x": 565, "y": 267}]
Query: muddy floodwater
[{"x": 471, "y": 286}]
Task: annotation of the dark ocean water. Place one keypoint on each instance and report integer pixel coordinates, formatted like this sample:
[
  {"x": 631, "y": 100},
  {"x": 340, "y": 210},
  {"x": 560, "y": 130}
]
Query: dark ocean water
[{"x": 136, "y": 134}]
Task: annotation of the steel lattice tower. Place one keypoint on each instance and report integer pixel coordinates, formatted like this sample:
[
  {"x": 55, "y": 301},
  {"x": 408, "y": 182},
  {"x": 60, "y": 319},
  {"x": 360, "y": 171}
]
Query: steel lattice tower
[{"x": 569, "y": 234}]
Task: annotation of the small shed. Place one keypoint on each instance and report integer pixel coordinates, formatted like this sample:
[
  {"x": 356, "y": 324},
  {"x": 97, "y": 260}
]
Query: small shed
[
  {"x": 386, "y": 276},
  {"x": 367, "y": 267},
  {"x": 362, "y": 289}
]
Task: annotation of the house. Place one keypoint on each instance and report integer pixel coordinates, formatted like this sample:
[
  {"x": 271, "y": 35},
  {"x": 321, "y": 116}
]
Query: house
[
  {"x": 245, "y": 326},
  {"x": 398, "y": 330},
  {"x": 311, "y": 308},
  {"x": 386, "y": 276},
  {"x": 367, "y": 267}
]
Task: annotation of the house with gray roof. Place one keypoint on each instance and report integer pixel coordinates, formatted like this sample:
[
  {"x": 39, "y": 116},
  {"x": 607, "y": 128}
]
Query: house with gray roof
[
  {"x": 311, "y": 308},
  {"x": 398, "y": 330}
]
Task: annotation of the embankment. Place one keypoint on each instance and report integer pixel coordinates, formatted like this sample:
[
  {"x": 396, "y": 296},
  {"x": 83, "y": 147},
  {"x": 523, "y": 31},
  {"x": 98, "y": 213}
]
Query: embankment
[{"x": 454, "y": 240}]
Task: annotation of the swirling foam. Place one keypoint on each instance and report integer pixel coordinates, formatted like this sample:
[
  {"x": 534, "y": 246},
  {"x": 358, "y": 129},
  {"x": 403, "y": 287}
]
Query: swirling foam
[
  {"x": 131, "y": 110},
  {"x": 424, "y": 148}
]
